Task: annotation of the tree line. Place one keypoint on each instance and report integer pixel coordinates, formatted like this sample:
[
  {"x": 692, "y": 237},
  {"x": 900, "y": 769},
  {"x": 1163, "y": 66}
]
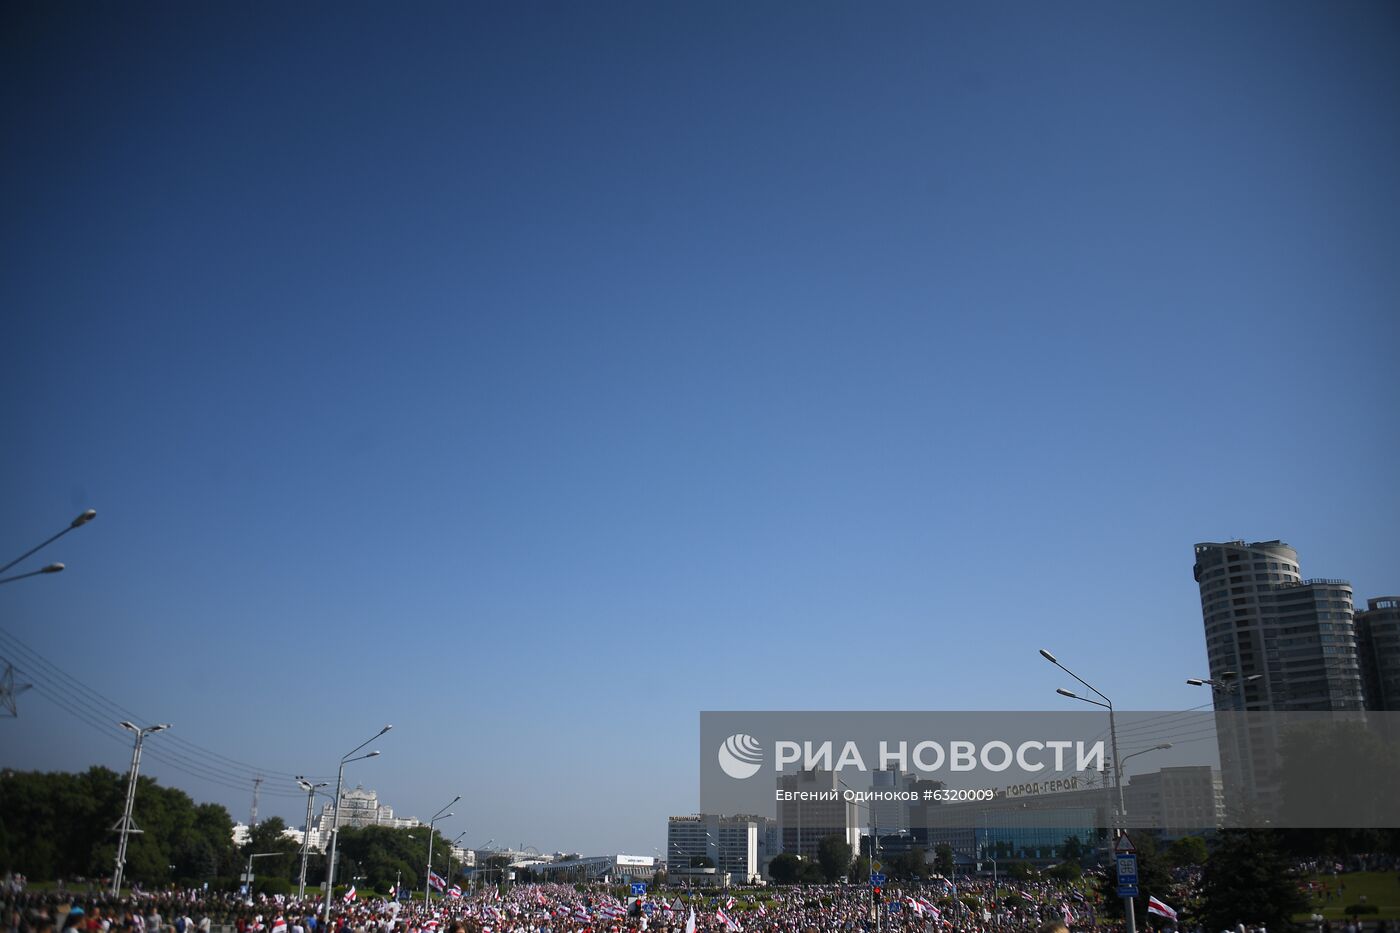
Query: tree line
[{"x": 59, "y": 826}]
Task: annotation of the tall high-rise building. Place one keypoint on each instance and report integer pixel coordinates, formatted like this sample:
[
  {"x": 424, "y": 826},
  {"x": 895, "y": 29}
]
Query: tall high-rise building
[
  {"x": 1378, "y": 644},
  {"x": 1277, "y": 643},
  {"x": 1284, "y": 643},
  {"x": 732, "y": 844},
  {"x": 810, "y": 807},
  {"x": 889, "y": 816}
]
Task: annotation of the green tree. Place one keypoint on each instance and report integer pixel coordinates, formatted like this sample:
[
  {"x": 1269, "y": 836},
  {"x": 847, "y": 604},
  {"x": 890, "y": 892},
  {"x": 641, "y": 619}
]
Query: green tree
[
  {"x": 834, "y": 857},
  {"x": 57, "y": 825},
  {"x": 943, "y": 860},
  {"x": 1072, "y": 849},
  {"x": 1154, "y": 878},
  {"x": 268, "y": 837},
  {"x": 385, "y": 856},
  {"x": 910, "y": 865},
  {"x": 1247, "y": 880},
  {"x": 785, "y": 868},
  {"x": 1187, "y": 852},
  {"x": 1019, "y": 870}
]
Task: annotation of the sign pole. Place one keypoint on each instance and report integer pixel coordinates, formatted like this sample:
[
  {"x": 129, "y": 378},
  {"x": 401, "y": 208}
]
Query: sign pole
[{"x": 1125, "y": 854}]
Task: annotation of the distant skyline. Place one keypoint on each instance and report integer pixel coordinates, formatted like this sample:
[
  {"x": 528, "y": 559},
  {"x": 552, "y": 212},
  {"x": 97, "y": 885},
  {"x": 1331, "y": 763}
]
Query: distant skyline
[{"x": 534, "y": 378}]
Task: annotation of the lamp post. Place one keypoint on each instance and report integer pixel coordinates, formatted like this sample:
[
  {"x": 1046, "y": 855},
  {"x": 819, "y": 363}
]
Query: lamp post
[
  {"x": 874, "y": 853},
  {"x": 306, "y": 833},
  {"x": 248, "y": 876},
  {"x": 428, "y": 880},
  {"x": 335, "y": 820},
  {"x": 1105, "y": 703},
  {"x": 78, "y": 522},
  {"x": 51, "y": 568},
  {"x": 1156, "y": 748},
  {"x": 485, "y": 847},
  {"x": 125, "y": 825},
  {"x": 449, "y": 854},
  {"x": 1229, "y": 684}
]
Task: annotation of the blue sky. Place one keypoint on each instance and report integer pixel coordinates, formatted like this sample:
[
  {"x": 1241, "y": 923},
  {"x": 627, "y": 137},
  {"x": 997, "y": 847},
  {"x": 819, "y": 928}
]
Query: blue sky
[{"x": 535, "y": 376}]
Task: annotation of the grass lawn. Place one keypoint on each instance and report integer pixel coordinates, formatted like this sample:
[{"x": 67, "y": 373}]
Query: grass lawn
[{"x": 1380, "y": 888}]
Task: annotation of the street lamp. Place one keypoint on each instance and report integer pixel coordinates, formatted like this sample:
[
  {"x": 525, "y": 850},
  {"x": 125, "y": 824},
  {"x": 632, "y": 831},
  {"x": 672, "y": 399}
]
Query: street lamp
[
  {"x": 449, "y": 853},
  {"x": 428, "y": 881},
  {"x": 306, "y": 834},
  {"x": 1156, "y": 748},
  {"x": 1229, "y": 684},
  {"x": 874, "y": 853},
  {"x": 1107, "y": 704},
  {"x": 78, "y": 522},
  {"x": 335, "y": 819},
  {"x": 51, "y": 568},
  {"x": 248, "y": 876},
  {"x": 125, "y": 825}
]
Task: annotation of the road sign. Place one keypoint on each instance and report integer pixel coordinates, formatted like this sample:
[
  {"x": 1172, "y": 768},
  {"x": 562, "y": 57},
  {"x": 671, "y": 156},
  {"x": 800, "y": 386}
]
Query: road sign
[
  {"x": 1124, "y": 844},
  {"x": 639, "y": 887},
  {"x": 876, "y": 866},
  {"x": 877, "y": 878},
  {"x": 1127, "y": 874}
]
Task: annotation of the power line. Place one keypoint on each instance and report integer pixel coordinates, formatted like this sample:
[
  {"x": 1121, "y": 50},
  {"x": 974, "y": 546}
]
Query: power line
[{"x": 99, "y": 712}]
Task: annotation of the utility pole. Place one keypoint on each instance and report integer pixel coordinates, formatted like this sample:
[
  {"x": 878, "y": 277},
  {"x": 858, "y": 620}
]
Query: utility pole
[
  {"x": 126, "y": 825},
  {"x": 253, "y": 819},
  {"x": 306, "y": 833},
  {"x": 9, "y": 690}
]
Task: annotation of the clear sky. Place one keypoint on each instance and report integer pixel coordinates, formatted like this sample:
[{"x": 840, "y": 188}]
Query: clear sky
[{"x": 533, "y": 376}]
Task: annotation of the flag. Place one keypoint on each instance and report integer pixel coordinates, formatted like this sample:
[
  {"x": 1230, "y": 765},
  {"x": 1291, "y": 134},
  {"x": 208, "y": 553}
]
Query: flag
[
  {"x": 690, "y": 922},
  {"x": 393, "y": 891},
  {"x": 279, "y": 925},
  {"x": 454, "y": 891},
  {"x": 436, "y": 880},
  {"x": 349, "y": 895},
  {"x": 729, "y": 904},
  {"x": 1066, "y": 912},
  {"x": 1155, "y": 906}
]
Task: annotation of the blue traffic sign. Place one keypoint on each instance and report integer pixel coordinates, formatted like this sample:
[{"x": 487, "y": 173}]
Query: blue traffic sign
[
  {"x": 1127, "y": 874},
  {"x": 877, "y": 878},
  {"x": 639, "y": 887}
]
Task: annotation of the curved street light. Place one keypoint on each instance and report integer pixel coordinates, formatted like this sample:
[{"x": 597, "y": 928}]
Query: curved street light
[
  {"x": 1107, "y": 704},
  {"x": 78, "y": 522},
  {"x": 335, "y": 820},
  {"x": 125, "y": 824},
  {"x": 311, "y": 790},
  {"x": 428, "y": 880}
]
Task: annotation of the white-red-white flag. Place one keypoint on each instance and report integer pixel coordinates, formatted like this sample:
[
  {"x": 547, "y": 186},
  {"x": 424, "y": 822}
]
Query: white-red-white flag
[{"x": 1155, "y": 906}]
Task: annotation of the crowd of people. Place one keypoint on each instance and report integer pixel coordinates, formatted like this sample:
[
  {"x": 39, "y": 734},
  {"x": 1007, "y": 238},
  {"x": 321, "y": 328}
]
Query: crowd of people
[{"x": 964, "y": 905}]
